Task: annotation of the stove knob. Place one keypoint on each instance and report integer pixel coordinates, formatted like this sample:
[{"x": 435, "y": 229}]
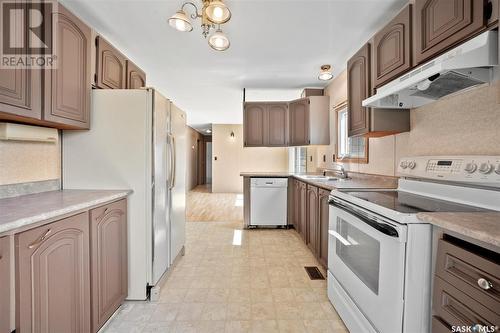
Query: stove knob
[
  {"x": 485, "y": 168},
  {"x": 412, "y": 165},
  {"x": 403, "y": 164},
  {"x": 470, "y": 167},
  {"x": 497, "y": 169}
]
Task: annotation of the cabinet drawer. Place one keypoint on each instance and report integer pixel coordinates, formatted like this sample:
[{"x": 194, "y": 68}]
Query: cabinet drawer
[
  {"x": 457, "y": 308},
  {"x": 439, "y": 327},
  {"x": 469, "y": 271}
]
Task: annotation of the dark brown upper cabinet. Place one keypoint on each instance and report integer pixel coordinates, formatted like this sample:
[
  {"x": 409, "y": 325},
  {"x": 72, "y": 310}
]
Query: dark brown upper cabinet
[
  {"x": 111, "y": 69},
  {"x": 299, "y": 122},
  {"x": 136, "y": 78},
  {"x": 108, "y": 253},
  {"x": 53, "y": 277},
  {"x": 265, "y": 124},
  {"x": 20, "y": 93},
  {"x": 67, "y": 88},
  {"x": 441, "y": 24},
  {"x": 309, "y": 121},
  {"x": 308, "y": 92},
  {"x": 253, "y": 123},
  {"x": 358, "y": 89},
  {"x": 392, "y": 49},
  {"x": 277, "y": 117}
]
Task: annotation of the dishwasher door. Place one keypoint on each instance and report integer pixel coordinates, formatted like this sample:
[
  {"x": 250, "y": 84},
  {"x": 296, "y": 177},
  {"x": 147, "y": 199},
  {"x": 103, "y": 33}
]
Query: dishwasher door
[{"x": 268, "y": 201}]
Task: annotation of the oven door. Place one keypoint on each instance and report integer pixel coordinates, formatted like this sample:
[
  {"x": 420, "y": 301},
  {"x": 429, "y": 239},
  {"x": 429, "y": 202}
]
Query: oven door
[{"x": 367, "y": 258}]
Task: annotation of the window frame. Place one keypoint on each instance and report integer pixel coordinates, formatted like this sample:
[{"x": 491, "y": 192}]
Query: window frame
[{"x": 341, "y": 107}]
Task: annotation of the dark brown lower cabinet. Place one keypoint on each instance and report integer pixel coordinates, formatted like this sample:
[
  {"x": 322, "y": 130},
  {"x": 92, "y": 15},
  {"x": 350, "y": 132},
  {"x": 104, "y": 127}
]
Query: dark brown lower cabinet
[
  {"x": 53, "y": 277},
  {"x": 466, "y": 286},
  {"x": 312, "y": 219},
  {"x": 108, "y": 235},
  {"x": 5, "y": 285},
  {"x": 309, "y": 216},
  {"x": 323, "y": 221},
  {"x": 302, "y": 204}
]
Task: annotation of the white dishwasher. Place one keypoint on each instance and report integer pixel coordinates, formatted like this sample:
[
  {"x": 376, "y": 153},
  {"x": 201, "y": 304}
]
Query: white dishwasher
[{"x": 268, "y": 201}]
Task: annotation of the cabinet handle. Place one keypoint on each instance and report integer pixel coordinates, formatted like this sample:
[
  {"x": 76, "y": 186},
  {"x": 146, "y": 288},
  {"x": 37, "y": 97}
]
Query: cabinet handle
[
  {"x": 484, "y": 284},
  {"x": 41, "y": 239}
]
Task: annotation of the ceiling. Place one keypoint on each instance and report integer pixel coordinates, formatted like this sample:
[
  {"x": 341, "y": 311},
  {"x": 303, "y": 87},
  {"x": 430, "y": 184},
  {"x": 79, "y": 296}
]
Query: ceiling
[{"x": 277, "y": 47}]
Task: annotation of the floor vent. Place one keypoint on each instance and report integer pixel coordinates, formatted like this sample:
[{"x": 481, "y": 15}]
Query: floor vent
[{"x": 314, "y": 273}]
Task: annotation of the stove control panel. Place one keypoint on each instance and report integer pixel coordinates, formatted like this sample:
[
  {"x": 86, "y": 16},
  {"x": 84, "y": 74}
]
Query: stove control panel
[{"x": 480, "y": 170}]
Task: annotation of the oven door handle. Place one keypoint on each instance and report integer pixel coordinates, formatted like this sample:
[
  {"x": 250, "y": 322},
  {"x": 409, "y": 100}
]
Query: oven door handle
[{"x": 384, "y": 228}]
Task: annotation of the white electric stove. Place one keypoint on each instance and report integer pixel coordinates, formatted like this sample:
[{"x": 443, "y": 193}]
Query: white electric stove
[{"x": 379, "y": 262}]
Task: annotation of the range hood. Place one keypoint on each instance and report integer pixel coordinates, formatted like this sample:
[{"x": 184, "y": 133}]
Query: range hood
[{"x": 467, "y": 65}]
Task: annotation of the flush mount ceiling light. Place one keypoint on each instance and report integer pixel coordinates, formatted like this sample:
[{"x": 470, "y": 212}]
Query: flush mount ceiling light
[
  {"x": 326, "y": 73},
  {"x": 213, "y": 12}
]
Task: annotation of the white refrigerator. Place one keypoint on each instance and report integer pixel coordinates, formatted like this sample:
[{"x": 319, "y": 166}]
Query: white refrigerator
[{"x": 137, "y": 140}]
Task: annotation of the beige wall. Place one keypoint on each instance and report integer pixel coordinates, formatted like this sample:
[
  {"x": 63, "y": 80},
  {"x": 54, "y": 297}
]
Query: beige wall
[
  {"x": 22, "y": 162},
  {"x": 232, "y": 159},
  {"x": 467, "y": 123}
]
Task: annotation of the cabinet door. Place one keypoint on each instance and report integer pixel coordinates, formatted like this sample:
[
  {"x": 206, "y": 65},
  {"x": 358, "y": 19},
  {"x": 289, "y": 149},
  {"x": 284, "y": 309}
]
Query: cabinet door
[
  {"x": 303, "y": 211},
  {"x": 277, "y": 124},
  {"x": 323, "y": 212},
  {"x": 254, "y": 122},
  {"x": 67, "y": 88},
  {"x": 296, "y": 205},
  {"x": 312, "y": 218},
  {"x": 111, "y": 70},
  {"x": 136, "y": 78},
  {"x": 392, "y": 49},
  {"x": 53, "y": 277},
  {"x": 6, "y": 286},
  {"x": 358, "y": 89},
  {"x": 20, "y": 89},
  {"x": 440, "y": 24},
  {"x": 299, "y": 122},
  {"x": 108, "y": 235}
]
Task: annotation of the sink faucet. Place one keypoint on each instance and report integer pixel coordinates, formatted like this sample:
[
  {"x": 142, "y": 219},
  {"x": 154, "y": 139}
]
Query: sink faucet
[
  {"x": 343, "y": 173},
  {"x": 340, "y": 172}
]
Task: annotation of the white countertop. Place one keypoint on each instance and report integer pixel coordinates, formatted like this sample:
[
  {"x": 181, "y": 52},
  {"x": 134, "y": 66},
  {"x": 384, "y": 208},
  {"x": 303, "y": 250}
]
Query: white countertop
[{"x": 19, "y": 212}]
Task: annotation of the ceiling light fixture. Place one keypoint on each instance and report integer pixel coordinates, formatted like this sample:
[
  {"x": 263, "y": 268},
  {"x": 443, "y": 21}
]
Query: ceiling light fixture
[
  {"x": 219, "y": 41},
  {"x": 213, "y": 12},
  {"x": 326, "y": 73}
]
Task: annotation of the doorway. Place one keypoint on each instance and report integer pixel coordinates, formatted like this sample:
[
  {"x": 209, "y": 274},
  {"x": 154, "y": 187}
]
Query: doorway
[
  {"x": 208, "y": 162},
  {"x": 204, "y": 160}
]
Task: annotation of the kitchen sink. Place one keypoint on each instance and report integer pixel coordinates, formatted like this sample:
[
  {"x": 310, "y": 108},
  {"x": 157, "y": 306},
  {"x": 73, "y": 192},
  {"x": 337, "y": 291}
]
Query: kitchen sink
[{"x": 319, "y": 178}]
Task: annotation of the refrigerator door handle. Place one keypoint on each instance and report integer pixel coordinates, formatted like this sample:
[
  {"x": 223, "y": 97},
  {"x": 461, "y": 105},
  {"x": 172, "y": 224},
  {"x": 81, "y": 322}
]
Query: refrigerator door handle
[
  {"x": 174, "y": 159},
  {"x": 171, "y": 146}
]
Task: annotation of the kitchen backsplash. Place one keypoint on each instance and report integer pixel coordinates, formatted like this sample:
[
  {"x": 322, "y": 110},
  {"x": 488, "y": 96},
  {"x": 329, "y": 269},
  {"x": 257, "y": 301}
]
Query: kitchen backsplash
[
  {"x": 465, "y": 123},
  {"x": 29, "y": 167}
]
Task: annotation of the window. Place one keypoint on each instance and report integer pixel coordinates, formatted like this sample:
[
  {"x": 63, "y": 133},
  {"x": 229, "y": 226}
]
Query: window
[
  {"x": 354, "y": 149},
  {"x": 300, "y": 160}
]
